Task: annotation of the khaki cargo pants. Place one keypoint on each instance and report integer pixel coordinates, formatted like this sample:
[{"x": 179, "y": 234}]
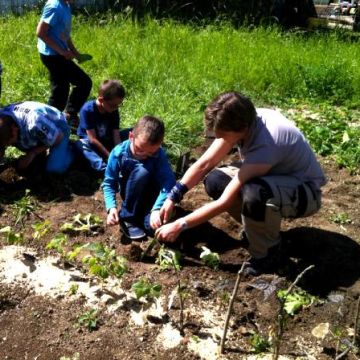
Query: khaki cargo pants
[{"x": 263, "y": 202}]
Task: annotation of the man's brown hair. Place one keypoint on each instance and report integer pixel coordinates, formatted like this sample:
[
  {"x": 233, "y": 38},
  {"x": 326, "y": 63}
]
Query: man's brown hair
[
  {"x": 230, "y": 111},
  {"x": 152, "y": 127},
  {"x": 111, "y": 89}
]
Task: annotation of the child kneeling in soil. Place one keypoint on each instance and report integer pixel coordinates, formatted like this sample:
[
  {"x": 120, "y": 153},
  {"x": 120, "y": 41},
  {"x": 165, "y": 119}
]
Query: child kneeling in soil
[
  {"x": 99, "y": 125},
  {"x": 140, "y": 168},
  {"x": 34, "y": 128}
]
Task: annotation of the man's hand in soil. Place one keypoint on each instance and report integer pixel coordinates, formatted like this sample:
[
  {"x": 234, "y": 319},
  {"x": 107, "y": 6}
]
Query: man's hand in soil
[
  {"x": 169, "y": 232},
  {"x": 113, "y": 217}
]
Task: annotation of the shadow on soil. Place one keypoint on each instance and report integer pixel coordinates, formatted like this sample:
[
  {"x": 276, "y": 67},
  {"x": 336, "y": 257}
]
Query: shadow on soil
[
  {"x": 46, "y": 187},
  {"x": 335, "y": 256}
]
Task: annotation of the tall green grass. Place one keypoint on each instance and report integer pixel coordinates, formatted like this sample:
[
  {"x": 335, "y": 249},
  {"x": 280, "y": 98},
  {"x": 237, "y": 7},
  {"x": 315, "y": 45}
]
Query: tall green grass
[{"x": 173, "y": 70}]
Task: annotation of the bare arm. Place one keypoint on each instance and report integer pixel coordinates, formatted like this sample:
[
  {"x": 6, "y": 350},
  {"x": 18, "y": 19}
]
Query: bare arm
[
  {"x": 171, "y": 231},
  {"x": 211, "y": 157},
  {"x": 95, "y": 141},
  {"x": 72, "y": 47},
  {"x": 116, "y": 137}
]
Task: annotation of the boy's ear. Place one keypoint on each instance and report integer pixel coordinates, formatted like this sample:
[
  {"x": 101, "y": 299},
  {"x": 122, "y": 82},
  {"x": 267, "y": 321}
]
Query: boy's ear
[{"x": 131, "y": 136}]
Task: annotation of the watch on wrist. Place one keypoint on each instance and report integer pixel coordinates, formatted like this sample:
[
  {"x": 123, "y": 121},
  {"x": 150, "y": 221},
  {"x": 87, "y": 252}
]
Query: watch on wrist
[{"x": 183, "y": 224}]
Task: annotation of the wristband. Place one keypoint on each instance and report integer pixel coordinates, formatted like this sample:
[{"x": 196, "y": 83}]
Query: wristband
[
  {"x": 177, "y": 192},
  {"x": 183, "y": 224}
]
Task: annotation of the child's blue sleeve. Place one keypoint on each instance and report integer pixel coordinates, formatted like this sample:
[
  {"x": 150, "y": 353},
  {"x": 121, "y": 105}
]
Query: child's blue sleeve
[
  {"x": 165, "y": 178},
  {"x": 110, "y": 184},
  {"x": 49, "y": 15}
]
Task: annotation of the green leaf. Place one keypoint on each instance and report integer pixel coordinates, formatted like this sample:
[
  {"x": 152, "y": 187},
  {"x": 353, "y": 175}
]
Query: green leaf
[{"x": 211, "y": 259}]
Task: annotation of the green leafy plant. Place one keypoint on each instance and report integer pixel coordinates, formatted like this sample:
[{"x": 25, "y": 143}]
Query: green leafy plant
[
  {"x": 103, "y": 261},
  {"x": 295, "y": 301},
  {"x": 11, "y": 237},
  {"x": 168, "y": 259},
  {"x": 57, "y": 243},
  {"x": 89, "y": 223},
  {"x": 211, "y": 259},
  {"x": 41, "y": 229},
  {"x": 259, "y": 343},
  {"x": 73, "y": 289},
  {"x": 341, "y": 218},
  {"x": 143, "y": 288},
  {"x": 23, "y": 207},
  {"x": 89, "y": 320}
]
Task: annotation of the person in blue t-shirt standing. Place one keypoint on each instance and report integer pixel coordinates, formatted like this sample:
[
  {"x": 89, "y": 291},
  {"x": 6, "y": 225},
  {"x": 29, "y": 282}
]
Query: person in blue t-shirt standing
[
  {"x": 57, "y": 52},
  {"x": 99, "y": 125},
  {"x": 139, "y": 168},
  {"x": 34, "y": 128}
]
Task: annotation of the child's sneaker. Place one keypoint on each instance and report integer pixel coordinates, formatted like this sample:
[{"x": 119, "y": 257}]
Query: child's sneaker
[{"x": 132, "y": 231}]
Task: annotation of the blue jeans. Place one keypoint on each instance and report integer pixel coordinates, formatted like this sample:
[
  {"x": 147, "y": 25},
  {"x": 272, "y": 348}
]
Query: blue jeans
[
  {"x": 89, "y": 152},
  {"x": 138, "y": 191},
  {"x": 60, "y": 156}
]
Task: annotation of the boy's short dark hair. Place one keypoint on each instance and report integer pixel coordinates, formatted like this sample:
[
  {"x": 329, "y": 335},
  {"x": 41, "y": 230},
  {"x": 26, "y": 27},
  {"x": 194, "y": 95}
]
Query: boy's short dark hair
[
  {"x": 111, "y": 89},
  {"x": 152, "y": 127},
  {"x": 230, "y": 111},
  {"x": 6, "y": 125}
]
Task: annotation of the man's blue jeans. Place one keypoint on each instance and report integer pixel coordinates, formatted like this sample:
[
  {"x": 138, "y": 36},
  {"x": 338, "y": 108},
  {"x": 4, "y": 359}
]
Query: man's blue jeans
[{"x": 138, "y": 192}]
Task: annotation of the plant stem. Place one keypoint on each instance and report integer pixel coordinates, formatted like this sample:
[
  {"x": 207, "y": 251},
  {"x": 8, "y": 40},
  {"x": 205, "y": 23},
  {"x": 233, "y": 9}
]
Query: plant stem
[
  {"x": 223, "y": 339},
  {"x": 281, "y": 313}
]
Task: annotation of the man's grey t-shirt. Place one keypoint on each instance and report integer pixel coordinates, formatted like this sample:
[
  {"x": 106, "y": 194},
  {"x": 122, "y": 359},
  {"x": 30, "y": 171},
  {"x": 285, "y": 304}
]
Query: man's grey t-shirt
[{"x": 276, "y": 141}]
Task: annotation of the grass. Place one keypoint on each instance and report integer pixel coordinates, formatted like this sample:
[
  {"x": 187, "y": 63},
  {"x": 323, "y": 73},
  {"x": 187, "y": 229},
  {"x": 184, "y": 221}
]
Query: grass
[{"x": 173, "y": 70}]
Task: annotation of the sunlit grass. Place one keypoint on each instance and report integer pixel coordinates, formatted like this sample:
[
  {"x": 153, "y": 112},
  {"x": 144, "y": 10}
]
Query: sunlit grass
[{"x": 173, "y": 70}]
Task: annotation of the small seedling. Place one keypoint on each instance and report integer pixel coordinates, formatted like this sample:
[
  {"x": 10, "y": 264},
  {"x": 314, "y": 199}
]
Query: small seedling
[
  {"x": 295, "y": 301},
  {"x": 73, "y": 289},
  {"x": 168, "y": 259},
  {"x": 143, "y": 288},
  {"x": 89, "y": 320},
  {"x": 211, "y": 259},
  {"x": 23, "y": 207},
  {"x": 259, "y": 343},
  {"x": 89, "y": 223},
  {"x": 341, "y": 218},
  {"x": 104, "y": 262},
  {"x": 40, "y": 229},
  {"x": 57, "y": 243},
  {"x": 11, "y": 237}
]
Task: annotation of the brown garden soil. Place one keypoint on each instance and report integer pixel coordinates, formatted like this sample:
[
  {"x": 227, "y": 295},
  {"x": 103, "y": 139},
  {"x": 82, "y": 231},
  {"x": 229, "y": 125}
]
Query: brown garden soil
[{"x": 34, "y": 326}]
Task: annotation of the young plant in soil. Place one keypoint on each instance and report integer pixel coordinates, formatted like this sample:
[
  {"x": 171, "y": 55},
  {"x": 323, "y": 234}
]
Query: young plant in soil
[
  {"x": 23, "y": 207},
  {"x": 89, "y": 223},
  {"x": 210, "y": 259},
  {"x": 143, "y": 288},
  {"x": 259, "y": 343},
  {"x": 89, "y": 320},
  {"x": 41, "y": 229},
  {"x": 288, "y": 304},
  {"x": 168, "y": 259},
  {"x": 103, "y": 262},
  {"x": 57, "y": 243},
  {"x": 11, "y": 237}
]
